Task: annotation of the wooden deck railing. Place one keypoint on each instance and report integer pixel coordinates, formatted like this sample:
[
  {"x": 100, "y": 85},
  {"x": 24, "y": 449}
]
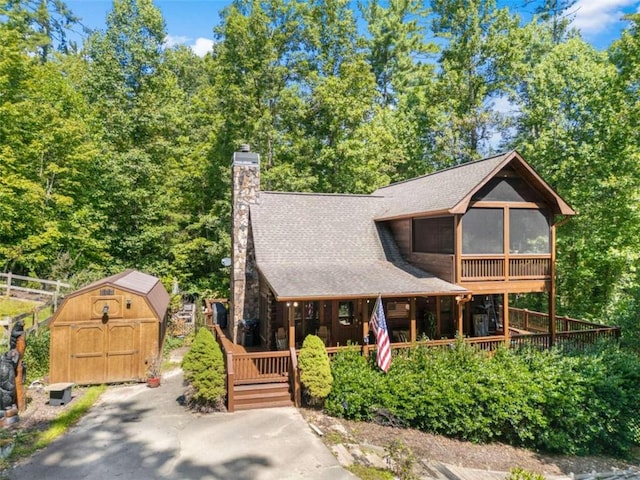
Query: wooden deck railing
[
  {"x": 495, "y": 267},
  {"x": 539, "y": 322},
  {"x": 281, "y": 366}
]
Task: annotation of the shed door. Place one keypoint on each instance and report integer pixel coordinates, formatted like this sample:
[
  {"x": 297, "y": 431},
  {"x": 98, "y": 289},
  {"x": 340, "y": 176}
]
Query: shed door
[
  {"x": 88, "y": 354},
  {"x": 105, "y": 353},
  {"x": 122, "y": 352}
]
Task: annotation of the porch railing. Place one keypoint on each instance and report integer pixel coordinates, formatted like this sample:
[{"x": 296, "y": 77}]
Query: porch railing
[{"x": 496, "y": 267}]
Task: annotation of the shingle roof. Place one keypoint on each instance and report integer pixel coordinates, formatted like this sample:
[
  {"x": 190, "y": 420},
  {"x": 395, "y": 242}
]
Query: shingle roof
[
  {"x": 449, "y": 191},
  {"x": 321, "y": 245},
  {"x": 329, "y": 245},
  {"x": 439, "y": 191},
  {"x": 135, "y": 282}
]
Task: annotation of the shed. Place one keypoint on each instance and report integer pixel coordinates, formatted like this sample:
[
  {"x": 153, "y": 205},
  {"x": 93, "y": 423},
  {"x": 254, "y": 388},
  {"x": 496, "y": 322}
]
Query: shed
[{"x": 109, "y": 331}]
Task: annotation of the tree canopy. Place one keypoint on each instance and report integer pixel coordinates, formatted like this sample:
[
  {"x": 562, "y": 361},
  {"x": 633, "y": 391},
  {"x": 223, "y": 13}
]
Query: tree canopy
[{"x": 115, "y": 153}]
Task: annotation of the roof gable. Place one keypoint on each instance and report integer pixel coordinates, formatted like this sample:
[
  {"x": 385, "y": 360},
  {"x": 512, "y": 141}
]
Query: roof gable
[
  {"x": 135, "y": 282},
  {"x": 450, "y": 191}
]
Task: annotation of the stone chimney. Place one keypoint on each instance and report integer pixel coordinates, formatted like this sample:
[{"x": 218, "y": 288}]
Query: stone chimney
[{"x": 245, "y": 290}]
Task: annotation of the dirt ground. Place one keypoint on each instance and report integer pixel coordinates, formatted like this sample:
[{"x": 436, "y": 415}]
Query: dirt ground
[
  {"x": 431, "y": 448},
  {"x": 434, "y": 448}
]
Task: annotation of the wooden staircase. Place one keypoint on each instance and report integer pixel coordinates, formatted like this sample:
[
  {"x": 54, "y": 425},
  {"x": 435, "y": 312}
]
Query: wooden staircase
[{"x": 266, "y": 394}]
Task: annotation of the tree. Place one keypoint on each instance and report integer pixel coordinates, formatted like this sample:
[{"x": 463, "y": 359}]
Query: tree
[
  {"x": 46, "y": 170},
  {"x": 482, "y": 46},
  {"x": 138, "y": 112},
  {"x": 572, "y": 131}
]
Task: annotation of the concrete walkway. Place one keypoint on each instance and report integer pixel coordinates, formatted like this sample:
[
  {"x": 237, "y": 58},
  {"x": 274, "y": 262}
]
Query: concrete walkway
[{"x": 135, "y": 432}]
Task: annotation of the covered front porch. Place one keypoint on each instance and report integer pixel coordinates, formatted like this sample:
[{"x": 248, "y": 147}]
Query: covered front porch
[{"x": 254, "y": 374}]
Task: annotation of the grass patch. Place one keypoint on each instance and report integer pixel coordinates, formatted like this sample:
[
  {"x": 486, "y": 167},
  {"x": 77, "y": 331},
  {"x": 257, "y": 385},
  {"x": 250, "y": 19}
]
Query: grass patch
[
  {"x": 10, "y": 307},
  {"x": 370, "y": 473},
  {"x": 27, "y": 442}
]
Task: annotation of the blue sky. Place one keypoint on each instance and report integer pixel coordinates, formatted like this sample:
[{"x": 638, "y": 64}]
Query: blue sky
[{"x": 191, "y": 22}]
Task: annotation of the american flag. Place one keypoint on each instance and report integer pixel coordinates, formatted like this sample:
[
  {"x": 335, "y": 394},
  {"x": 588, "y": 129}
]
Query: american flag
[{"x": 379, "y": 326}]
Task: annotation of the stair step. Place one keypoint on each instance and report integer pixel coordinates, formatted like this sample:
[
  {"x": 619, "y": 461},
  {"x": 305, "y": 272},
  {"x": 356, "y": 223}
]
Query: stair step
[
  {"x": 261, "y": 395},
  {"x": 250, "y": 406},
  {"x": 261, "y": 386}
]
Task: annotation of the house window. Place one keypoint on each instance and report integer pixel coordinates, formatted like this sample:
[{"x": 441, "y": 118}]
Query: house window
[
  {"x": 529, "y": 231},
  {"x": 345, "y": 313},
  {"x": 433, "y": 235},
  {"x": 507, "y": 189},
  {"x": 483, "y": 231}
]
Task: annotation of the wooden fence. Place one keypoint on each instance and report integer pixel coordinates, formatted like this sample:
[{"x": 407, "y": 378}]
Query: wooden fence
[{"x": 19, "y": 283}]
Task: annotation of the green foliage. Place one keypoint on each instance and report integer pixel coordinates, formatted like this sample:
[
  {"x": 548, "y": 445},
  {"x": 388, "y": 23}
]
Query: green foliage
[
  {"x": 402, "y": 459},
  {"x": 315, "y": 370},
  {"x": 518, "y": 473},
  {"x": 580, "y": 403},
  {"x": 36, "y": 355},
  {"x": 203, "y": 368}
]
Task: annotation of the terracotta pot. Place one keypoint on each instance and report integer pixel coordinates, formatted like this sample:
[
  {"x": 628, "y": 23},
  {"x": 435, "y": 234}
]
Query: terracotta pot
[{"x": 153, "y": 382}]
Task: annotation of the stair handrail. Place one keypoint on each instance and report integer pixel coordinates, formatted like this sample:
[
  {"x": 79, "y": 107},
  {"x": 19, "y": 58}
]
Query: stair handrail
[
  {"x": 224, "y": 342},
  {"x": 294, "y": 378}
]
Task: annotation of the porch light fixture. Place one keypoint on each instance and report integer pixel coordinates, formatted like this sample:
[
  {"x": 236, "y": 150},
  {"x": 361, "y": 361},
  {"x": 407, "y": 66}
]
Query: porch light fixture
[
  {"x": 105, "y": 310},
  {"x": 128, "y": 303}
]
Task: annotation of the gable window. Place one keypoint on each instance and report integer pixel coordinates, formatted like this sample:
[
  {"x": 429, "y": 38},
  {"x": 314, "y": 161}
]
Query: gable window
[
  {"x": 433, "y": 235},
  {"x": 529, "y": 231},
  {"x": 483, "y": 231}
]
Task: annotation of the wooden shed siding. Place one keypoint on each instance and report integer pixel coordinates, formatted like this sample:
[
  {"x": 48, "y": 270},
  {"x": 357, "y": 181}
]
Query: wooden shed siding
[{"x": 87, "y": 349}]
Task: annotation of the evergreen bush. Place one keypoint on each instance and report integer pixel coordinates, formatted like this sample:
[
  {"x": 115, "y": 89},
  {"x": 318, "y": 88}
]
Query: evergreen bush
[
  {"x": 315, "y": 369},
  {"x": 203, "y": 367},
  {"x": 564, "y": 402}
]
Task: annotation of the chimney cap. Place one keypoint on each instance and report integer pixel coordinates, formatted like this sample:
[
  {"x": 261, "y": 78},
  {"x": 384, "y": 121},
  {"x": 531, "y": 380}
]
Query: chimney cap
[
  {"x": 245, "y": 157},
  {"x": 245, "y": 147}
]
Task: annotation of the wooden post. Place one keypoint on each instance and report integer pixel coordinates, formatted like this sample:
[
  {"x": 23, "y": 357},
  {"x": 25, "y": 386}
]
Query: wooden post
[
  {"x": 21, "y": 345},
  {"x": 412, "y": 318},
  {"x": 364, "y": 314},
  {"x": 552, "y": 290},
  {"x": 505, "y": 319},
  {"x": 9, "y": 284},
  {"x": 292, "y": 323},
  {"x": 230, "y": 382},
  {"x": 460, "y": 319}
]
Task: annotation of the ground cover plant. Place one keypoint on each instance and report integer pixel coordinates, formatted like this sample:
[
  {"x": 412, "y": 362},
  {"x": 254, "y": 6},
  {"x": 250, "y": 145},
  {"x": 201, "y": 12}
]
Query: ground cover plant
[{"x": 562, "y": 402}]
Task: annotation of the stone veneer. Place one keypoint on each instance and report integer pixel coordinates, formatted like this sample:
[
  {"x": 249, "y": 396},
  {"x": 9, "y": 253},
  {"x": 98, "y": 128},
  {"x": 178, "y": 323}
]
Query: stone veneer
[{"x": 245, "y": 294}]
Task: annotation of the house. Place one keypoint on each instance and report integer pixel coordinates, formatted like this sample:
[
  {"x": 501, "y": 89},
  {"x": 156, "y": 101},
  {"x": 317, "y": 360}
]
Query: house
[
  {"x": 444, "y": 251},
  {"x": 109, "y": 331}
]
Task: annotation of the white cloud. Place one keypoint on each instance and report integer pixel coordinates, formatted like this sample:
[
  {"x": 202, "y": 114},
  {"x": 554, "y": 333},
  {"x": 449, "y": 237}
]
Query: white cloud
[
  {"x": 594, "y": 16},
  {"x": 171, "y": 41},
  {"x": 200, "y": 47}
]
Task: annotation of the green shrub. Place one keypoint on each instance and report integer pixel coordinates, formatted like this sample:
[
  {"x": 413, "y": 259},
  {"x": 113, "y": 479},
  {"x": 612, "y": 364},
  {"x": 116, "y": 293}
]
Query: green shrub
[
  {"x": 36, "y": 355},
  {"x": 521, "y": 474},
  {"x": 315, "y": 370},
  {"x": 555, "y": 401},
  {"x": 203, "y": 367}
]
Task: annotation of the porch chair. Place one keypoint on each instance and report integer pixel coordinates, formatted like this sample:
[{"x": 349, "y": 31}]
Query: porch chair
[
  {"x": 281, "y": 339},
  {"x": 323, "y": 333}
]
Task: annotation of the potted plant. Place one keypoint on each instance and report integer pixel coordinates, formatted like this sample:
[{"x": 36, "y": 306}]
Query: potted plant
[{"x": 153, "y": 372}]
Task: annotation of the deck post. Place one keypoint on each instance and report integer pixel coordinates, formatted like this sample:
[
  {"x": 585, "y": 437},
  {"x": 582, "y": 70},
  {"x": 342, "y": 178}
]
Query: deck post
[
  {"x": 364, "y": 309},
  {"x": 230, "y": 382},
  {"x": 412, "y": 317},
  {"x": 552, "y": 289},
  {"x": 291, "y": 308},
  {"x": 505, "y": 318}
]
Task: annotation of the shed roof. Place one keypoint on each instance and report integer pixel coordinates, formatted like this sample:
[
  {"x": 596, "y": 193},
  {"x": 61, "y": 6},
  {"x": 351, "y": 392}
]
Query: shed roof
[
  {"x": 135, "y": 282},
  {"x": 325, "y": 246}
]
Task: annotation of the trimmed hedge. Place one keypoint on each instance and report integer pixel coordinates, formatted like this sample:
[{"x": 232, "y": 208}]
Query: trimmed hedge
[{"x": 571, "y": 403}]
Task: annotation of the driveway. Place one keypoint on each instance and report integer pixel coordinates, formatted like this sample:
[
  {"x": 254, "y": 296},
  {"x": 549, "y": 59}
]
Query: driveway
[{"x": 135, "y": 432}]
